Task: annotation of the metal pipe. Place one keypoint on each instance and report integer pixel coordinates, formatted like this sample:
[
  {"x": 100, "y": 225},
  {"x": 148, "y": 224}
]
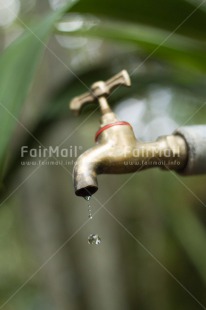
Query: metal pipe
[{"x": 195, "y": 138}]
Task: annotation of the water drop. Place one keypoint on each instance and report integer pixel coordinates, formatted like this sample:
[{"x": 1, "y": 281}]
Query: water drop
[
  {"x": 90, "y": 212},
  {"x": 94, "y": 239},
  {"x": 87, "y": 198}
]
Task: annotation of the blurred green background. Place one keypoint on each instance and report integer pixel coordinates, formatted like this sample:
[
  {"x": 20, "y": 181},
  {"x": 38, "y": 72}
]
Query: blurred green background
[{"x": 152, "y": 223}]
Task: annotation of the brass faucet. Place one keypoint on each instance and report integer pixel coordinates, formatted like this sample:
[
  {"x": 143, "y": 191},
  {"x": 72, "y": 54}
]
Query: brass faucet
[{"x": 117, "y": 150}]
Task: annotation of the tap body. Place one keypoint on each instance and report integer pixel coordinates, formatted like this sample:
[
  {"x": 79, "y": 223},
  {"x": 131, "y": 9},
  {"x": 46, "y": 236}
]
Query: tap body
[{"x": 117, "y": 151}]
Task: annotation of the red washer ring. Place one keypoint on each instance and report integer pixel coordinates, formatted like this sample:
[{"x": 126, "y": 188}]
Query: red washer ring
[{"x": 108, "y": 126}]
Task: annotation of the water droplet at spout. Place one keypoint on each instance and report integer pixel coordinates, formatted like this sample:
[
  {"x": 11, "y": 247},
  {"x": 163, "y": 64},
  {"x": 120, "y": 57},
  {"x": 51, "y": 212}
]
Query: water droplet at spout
[
  {"x": 94, "y": 239},
  {"x": 87, "y": 198}
]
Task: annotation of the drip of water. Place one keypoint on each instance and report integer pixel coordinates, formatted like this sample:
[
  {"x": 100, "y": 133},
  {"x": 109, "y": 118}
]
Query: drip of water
[
  {"x": 90, "y": 211},
  {"x": 87, "y": 198},
  {"x": 94, "y": 239}
]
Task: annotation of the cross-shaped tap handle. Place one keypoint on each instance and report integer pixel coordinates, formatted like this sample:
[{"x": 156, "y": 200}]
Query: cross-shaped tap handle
[{"x": 99, "y": 92}]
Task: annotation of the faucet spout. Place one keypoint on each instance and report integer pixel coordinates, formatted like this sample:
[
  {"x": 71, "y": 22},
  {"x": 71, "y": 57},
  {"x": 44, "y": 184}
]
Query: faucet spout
[{"x": 86, "y": 169}]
